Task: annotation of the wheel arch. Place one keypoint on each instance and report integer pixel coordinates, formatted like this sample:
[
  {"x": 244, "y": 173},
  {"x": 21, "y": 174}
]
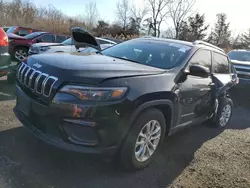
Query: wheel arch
[{"x": 164, "y": 105}]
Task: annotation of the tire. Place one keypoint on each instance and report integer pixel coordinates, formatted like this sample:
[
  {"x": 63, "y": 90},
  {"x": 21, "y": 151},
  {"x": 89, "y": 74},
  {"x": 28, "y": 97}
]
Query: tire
[
  {"x": 20, "y": 53},
  {"x": 127, "y": 156},
  {"x": 224, "y": 103}
]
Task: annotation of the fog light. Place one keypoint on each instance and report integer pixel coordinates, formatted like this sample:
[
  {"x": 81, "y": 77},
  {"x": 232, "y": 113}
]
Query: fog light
[{"x": 80, "y": 134}]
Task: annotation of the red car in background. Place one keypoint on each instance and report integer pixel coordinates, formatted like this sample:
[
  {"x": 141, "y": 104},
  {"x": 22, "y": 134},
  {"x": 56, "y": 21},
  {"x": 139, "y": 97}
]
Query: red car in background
[
  {"x": 4, "y": 55},
  {"x": 21, "y": 31},
  {"x": 19, "y": 46}
]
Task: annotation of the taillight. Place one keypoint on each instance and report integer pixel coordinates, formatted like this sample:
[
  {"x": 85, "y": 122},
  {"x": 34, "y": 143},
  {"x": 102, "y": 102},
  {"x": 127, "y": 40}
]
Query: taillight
[{"x": 3, "y": 38}]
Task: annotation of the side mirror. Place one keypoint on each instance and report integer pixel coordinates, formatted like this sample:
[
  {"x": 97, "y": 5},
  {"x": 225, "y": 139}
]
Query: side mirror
[{"x": 198, "y": 70}]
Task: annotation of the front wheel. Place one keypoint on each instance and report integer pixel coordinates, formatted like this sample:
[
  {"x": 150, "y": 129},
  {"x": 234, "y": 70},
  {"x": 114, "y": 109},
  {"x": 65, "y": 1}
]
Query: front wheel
[
  {"x": 224, "y": 113},
  {"x": 20, "y": 53},
  {"x": 143, "y": 140}
]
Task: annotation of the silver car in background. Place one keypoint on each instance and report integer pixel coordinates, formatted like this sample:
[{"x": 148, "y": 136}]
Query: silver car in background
[{"x": 65, "y": 46}]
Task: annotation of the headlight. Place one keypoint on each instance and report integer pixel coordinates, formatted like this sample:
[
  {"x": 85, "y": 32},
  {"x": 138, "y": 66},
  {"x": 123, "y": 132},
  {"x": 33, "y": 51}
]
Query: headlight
[
  {"x": 95, "y": 93},
  {"x": 33, "y": 49},
  {"x": 44, "y": 49}
]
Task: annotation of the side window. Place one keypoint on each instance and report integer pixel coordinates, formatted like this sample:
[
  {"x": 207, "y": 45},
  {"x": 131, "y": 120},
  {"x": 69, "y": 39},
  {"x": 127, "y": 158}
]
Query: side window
[
  {"x": 47, "y": 38},
  {"x": 60, "y": 39},
  {"x": 203, "y": 58},
  {"x": 220, "y": 64},
  {"x": 23, "y": 32}
]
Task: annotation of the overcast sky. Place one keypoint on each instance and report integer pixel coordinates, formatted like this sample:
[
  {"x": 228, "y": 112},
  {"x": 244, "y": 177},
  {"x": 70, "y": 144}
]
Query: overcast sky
[{"x": 237, "y": 11}]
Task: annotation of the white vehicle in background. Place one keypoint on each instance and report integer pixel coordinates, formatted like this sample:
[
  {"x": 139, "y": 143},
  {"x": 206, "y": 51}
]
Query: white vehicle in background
[{"x": 65, "y": 46}]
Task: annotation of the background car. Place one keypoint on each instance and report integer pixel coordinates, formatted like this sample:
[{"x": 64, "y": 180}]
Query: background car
[
  {"x": 65, "y": 46},
  {"x": 21, "y": 31},
  {"x": 241, "y": 62},
  {"x": 19, "y": 46},
  {"x": 4, "y": 55},
  {"x": 5, "y": 28}
]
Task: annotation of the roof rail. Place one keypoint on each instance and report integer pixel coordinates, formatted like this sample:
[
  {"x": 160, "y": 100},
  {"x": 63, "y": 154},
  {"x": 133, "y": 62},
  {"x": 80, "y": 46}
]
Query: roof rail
[{"x": 207, "y": 44}]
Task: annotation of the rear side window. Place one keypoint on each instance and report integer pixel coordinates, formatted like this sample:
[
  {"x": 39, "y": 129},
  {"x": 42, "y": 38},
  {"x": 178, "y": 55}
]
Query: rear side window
[
  {"x": 23, "y": 32},
  {"x": 203, "y": 58},
  {"x": 220, "y": 64},
  {"x": 60, "y": 39},
  {"x": 47, "y": 38}
]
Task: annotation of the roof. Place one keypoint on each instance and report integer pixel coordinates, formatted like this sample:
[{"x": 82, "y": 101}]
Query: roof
[{"x": 167, "y": 40}]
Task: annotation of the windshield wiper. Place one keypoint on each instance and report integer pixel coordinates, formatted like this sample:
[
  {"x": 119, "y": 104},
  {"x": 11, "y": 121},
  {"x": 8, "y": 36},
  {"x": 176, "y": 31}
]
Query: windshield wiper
[
  {"x": 99, "y": 52},
  {"x": 126, "y": 59}
]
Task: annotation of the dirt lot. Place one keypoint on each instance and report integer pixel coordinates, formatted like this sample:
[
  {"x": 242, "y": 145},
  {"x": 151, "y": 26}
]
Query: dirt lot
[{"x": 196, "y": 157}]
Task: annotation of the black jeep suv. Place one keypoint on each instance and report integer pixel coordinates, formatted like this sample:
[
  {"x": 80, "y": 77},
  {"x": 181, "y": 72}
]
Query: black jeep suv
[{"x": 123, "y": 100}]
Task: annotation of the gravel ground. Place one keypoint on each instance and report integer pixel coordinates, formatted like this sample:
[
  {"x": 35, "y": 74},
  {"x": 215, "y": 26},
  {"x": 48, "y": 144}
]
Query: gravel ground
[{"x": 199, "y": 156}]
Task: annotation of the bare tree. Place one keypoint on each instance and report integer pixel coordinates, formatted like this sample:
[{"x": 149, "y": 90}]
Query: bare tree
[
  {"x": 91, "y": 15},
  {"x": 169, "y": 33},
  {"x": 158, "y": 12},
  {"x": 137, "y": 16},
  {"x": 122, "y": 11},
  {"x": 179, "y": 11}
]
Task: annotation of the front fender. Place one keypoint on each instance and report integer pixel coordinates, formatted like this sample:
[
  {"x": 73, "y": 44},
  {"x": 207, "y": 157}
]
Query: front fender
[{"x": 149, "y": 104}]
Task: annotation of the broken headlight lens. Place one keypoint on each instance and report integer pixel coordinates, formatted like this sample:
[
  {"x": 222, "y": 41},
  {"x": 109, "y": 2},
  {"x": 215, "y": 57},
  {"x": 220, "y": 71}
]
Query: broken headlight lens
[{"x": 95, "y": 93}]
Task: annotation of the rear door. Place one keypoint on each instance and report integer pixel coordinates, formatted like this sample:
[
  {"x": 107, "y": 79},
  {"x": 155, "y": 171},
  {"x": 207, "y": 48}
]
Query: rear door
[
  {"x": 195, "y": 94},
  {"x": 221, "y": 68}
]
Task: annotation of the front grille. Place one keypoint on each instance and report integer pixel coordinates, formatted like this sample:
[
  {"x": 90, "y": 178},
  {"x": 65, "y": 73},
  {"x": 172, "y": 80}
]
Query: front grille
[
  {"x": 243, "y": 71},
  {"x": 36, "y": 81}
]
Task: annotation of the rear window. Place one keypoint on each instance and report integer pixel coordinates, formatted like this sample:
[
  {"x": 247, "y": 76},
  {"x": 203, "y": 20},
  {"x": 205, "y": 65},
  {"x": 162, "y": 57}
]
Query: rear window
[
  {"x": 239, "y": 56},
  {"x": 163, "y": 55},
  {"x": 11, "y": 30}
]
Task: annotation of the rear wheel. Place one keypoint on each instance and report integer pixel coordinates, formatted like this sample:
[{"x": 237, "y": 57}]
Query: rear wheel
[
  {"x": 20, "y": 53},
  {"x": 224, "y": 113},
  {"x": 144, "y": 140}
]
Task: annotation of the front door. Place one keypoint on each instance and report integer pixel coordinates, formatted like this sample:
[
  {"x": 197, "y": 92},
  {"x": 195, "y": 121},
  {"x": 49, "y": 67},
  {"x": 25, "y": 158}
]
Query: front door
[{"x": 195, "y": 94}]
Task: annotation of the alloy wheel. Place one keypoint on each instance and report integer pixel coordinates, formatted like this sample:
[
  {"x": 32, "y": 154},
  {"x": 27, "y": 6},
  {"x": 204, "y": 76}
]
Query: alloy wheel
[
  {"x": 147, "y": 140},
  {"x": 225, "y": 115},
  {"x": 21, "y": 54}
]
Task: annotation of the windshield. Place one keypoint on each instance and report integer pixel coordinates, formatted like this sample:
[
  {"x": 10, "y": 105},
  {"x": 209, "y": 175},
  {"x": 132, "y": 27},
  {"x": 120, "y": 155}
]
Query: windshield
[
  {"x": 239, "y": 56},
  {"x": 11, "y": 30},
  {"x": 163, "y": 55},
  {"x": 67, "y": 42},
  {"x": 32, "y": 35}
]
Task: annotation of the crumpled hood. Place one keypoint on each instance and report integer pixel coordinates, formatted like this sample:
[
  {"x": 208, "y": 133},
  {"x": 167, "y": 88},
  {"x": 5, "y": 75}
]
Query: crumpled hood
[{"x": 78, "y": 67}]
